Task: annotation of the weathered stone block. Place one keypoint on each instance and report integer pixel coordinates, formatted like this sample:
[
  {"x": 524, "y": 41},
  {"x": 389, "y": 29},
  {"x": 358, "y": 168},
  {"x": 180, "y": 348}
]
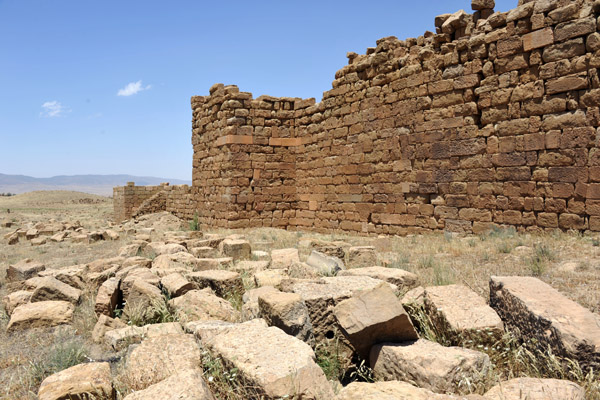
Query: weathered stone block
[
  {"x": 536, "y": 310},
  {"x": 374, "y": 316}
]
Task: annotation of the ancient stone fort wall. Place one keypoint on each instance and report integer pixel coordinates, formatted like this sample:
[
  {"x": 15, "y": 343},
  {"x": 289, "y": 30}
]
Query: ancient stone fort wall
[{"x": 491, "y": 120}]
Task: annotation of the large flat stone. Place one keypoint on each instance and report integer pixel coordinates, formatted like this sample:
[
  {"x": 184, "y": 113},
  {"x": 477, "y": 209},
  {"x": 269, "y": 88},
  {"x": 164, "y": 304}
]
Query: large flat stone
[
  {"x": 462, "y": 314},
  {"x": 393, "y": 390},
  {"x": 23, "y": 270},
  {"x": 203, "y": 305},
  {"x": 275, "y": 363},
  {"x": 187, "y": 384},
  {"x": 40, "y": 315},
  {"x": 404, "y": 280},
  {"x": 536, "y": 389},
  {"x": 50, "y": 288},
  {"x": 538, "y": 311},
  {"x": 429, "y": 365},
  {"x": 122, "y": 337},
  {"x": 284, "y": 258},
  {"x": 159, "y": 357},
  {"x": 222, "y": 282},
  {"x": 237, "y": 249},
  {"x": 83, "y": 381},
  {"x": 15, "y": 299}
]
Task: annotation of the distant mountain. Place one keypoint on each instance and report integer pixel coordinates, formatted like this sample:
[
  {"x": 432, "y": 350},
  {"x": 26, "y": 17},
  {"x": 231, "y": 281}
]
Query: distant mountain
[{"x": 95, "y": 184}]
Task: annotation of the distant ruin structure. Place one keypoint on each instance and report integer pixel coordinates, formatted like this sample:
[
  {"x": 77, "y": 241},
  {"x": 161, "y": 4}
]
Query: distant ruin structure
[{"x": 492, "y": 120}]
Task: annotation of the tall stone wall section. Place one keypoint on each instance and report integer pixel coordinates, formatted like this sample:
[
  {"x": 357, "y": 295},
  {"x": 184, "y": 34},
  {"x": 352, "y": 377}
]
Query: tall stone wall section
[{"x": 491, "y": 120}]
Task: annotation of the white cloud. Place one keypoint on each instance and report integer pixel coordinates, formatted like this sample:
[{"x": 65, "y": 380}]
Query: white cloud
[
  {"x": 53, "y": 109},
  {"x": 132, "y": 88}
]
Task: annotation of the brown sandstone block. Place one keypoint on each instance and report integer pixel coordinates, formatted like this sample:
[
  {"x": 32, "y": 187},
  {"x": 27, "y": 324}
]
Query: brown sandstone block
[
  {"x": 547, "y": 220},
  {"x": 567, "y": 83},
  {"x": 537, "y": 39},
  {"x": 572, "y": 29},
  {"x": 572, "y": 221}
]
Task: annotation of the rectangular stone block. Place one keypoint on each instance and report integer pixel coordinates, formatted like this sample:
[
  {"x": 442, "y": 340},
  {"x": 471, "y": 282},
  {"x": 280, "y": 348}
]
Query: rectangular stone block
[
  {"x": 537, "y": 39},
  {"x": 537, "y": 311}
]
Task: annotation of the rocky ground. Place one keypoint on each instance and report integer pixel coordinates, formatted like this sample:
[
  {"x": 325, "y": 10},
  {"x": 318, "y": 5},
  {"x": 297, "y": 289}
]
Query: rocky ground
[{"x": 152, "y": 309}]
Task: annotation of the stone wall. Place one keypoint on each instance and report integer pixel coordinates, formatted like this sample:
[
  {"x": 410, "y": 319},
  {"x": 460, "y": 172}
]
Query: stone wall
[
  {"x": 491, "y": 120},
  {"x": 127, "y": 199},
  {"x": 131, "y": 200}
]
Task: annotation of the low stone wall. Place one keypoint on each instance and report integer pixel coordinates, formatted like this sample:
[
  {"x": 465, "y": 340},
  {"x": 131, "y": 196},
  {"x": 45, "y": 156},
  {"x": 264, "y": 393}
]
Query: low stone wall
[{"x": 131, "y": 200}]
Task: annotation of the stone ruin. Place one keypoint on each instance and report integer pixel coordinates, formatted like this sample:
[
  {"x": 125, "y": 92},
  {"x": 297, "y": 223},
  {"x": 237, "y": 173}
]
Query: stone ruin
[{"x": 492, "y": 120}]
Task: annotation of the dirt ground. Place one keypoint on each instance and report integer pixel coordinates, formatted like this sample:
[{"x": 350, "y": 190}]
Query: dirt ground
[{"x": 569, "y": 261}]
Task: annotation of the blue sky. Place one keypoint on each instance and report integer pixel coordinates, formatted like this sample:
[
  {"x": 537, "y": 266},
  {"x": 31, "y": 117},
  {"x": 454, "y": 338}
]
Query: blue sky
[{"x": 103, "y": 87}]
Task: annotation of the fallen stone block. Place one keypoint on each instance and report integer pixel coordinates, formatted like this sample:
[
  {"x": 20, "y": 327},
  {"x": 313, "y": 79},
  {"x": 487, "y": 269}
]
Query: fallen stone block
[
  {"x": 109, "y": 234},
  {"x": 250, "y": 308},
  {"x": 184, "y": 384},
  {"x": 429, "y": 365},
  {"x": 50, "y": 288},
  {"x": 462, "y": 315},
  {"x": 108, "y": 297},
  {"x": 203, "y": 264},
  {"x": 203, "y": 305},
  {"x": 13, "y": 239},
  {"x": 404, "y": 280},
  {"x": 393, "y": 390},
  {"x": 41, "y": 315},
  {"x": 123, "y": 337},
  {"x": 23, "y": 270},
  {"x": 281, "y": 366},
  {"x": 325, "y": 264},
  {"x": 176, "y": 285},
  {"x": 204, "y": 330},
  {"x": 89, "y": 380},
  {"x": 15, "y": 299},
  {"x": 204, "y": 252},
  {"x": 103, "y": 264},
  {"x": 260, "y": 255},
  {"x": 322, "y": 295},
  {"x": 144, "y": 301},
  {"x": 222, "y": 282},
  {"x": 235, "y": 248},
  {"x": 38, "y": 241},
  {"x": 162, "y": 248},
  {"x": 128, "y": 278},
  {"x": 287, "y": 312},
  {"x": 177, "y": 262},
  {"x": 537, "y": 311},
  {"x": 159, "y": 357},
  {"x": 272, "y": 277},
  {"x": 536, "y": 389},
  {"x": 374, "y": 316},
  {"x": 362, "y": 256},
  {"x": 284, "y": 258},
  {"x": 72, "y": 276},
  {"x": 59, "y": 237},
  {"x": 251, "y": 267},
  {"x": 105, "y": 324},
  {"x": 31, "y": 234}
]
